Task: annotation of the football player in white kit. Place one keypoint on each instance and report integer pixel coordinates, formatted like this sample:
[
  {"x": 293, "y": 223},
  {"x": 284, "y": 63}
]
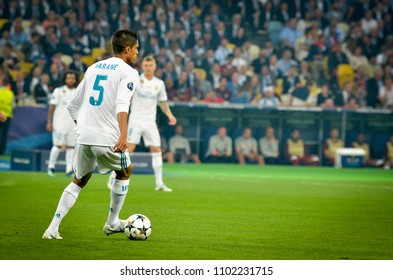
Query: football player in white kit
[
  {"x": 142, "y": 120},
  {"x": 61, "y": 124},
  {"x": 100, "y": 108}
]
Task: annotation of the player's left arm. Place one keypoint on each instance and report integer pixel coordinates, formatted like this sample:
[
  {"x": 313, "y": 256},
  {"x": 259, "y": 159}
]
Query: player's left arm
[
  {"x": 167, "y": 111},
  {"x": 126, "y": 89},
  {"x": 162, "y": 98},
  {"x": 76, "y": 99}
]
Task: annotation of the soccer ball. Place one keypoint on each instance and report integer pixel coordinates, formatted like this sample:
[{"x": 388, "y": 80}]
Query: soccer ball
[{"x": 138, "y": 227}]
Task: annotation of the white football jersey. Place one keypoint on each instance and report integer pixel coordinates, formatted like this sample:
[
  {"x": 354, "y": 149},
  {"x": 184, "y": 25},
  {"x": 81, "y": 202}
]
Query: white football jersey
[
  {"x": 105, "y": 91},
  {"x": 144, "y": 101},
  {"x": 61, "y": 118}
]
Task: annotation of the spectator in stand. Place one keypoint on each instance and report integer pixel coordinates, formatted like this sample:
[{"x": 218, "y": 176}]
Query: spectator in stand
[
  {"x": 20, "y": 88},
  {"x": 170, "y": 89},
  {"x": 290, "y": 34},
  {"x": 214, "y": 75},
  {"x": 202, "y": 84},
  {"x": 357, "y": 59},
  {"x": 212, "y": 97},
  {"x": 291, "y": 81},
  {"x": 182, "y": 88},
  {"x": 246, "y": 148},
  {"x": 222, "y": 52},
  {"x": 222, "y": 91},
  {"x": 325, "y": 97},
  {"x": 373, "y": 87},
  {"x": 341, "y": 98},
  {"x": 331, "y": 145},
  {"x": 240, "y": 94},
  {"x": 260, "y": 61},
  {"x": 295, "y": 151},
  {"x": 269, "y": 147},
  {"x": 43, "y": 90},
  {"x": 238, "y": 62},
  {"x": 386, "y": 94},
  {"x": 360, "y": 143},
  {"x": 77, "y": 65},
  {"x": 55, "y": 76},
  {"x": 335, "y": 58},
  {"x": 220, "y": 147},
  {"x": 256, "y": 89},
  {"x": 180, "y": 147},
  {"x": 389, "y": 154},
  {"x": 18, "y": 36},
  {"x": 286, "y": 62},
  {"x": 269, "y": 99}
]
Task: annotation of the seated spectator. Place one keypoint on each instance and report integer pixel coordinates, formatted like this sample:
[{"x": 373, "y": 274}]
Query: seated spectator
[
  {"x": 285, "y": 63},
  {"x": 325, "y": 97},
  {"x": 331, "y": 145},
  {"x": 389, "y": 154},
  {"x": 77, "y": 65},
  {"x": 341, "y": 98},
  {"x": 246, "y": 148},
  {"x": 386, "y": 94},
  {"x": 212, "y": 97},
  {"x": 42, "y": 90},
  {"x": 167, "y": 155},
  {"x": 360, "y": 143},
  {"x": 290, "y": 33},
  {"x": 220, "y": 147},
  {"x": 222, "y": 91},
  {"x": 269, "y": 99},
  {"x": 242, "y": 94},
  {"x": 269, "y": 147},
  {"x": 180, "y": 147},
  {"x": 301, "y": 96},
  {"x": 373, "y": 87},
  {"x": 295, "y": 151}
]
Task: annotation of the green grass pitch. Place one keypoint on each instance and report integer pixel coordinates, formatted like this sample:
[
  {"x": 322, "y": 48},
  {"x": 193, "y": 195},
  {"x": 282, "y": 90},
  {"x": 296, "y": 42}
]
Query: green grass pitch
[{"x": 215, "y": 212}]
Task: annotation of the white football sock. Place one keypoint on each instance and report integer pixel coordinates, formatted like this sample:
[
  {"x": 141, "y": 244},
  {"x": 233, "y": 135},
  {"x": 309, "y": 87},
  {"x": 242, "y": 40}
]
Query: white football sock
[
  {"x": 118, "y": 195},
  {"x": 69, "y": 157},
  {"x": 157, "y": 167},
  {"x": 54, "y": 154},
  {"x": 67, "y": 200}
]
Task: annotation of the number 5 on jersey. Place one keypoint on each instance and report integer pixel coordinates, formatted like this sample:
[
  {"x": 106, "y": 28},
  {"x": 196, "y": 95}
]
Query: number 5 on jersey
[{"x": 100, "y": 89}]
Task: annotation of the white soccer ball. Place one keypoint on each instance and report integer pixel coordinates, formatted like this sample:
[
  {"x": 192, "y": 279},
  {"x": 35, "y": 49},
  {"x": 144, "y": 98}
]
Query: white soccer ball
[{"x": 138, "y": 227}]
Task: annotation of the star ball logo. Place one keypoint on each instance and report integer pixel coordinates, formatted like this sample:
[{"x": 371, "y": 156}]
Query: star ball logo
[{"x": 130, "y": 86}]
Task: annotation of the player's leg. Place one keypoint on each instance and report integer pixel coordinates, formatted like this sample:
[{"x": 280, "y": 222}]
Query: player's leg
[
  {"x": 108, "y": 160},
  {"x": 84, "y": 165},
  {"x": 118, "y": 195},
  {"x": 70, "y": 142},
  {"x": 58, "y": 139},
  {"x": 157, "y": 164},
  {"x": 151, "y": 137}
]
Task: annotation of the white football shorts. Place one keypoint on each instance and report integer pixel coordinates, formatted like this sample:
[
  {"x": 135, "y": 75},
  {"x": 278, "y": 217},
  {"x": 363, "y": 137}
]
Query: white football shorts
[
  {"x": 147, "y": 130},
  {"x": 87, "y": 156},
  {"x": 63, "y": 137}
]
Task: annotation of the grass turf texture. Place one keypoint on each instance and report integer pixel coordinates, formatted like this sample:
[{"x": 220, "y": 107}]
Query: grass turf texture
[{"x": 215, "y": 212}]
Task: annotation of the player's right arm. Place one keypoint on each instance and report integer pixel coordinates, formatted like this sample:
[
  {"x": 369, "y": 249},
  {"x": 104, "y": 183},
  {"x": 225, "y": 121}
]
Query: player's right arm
[
  {"x": 53, "y": 102},
  {"x": 76, "y": 100}
]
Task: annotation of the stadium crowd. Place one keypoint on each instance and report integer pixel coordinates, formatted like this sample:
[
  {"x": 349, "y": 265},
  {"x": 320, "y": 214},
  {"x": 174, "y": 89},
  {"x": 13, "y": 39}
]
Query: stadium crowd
[
  {"x": 325, "y": 53},
  {"x": 336, "y": 53}
]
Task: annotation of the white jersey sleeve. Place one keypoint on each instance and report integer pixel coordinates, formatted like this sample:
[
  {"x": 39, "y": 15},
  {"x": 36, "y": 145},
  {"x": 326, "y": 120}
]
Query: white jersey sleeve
[
  {"x": 54, "y": 100},
  {"x": 105, "y": 91},
  {"x": 162, "y": 96}
]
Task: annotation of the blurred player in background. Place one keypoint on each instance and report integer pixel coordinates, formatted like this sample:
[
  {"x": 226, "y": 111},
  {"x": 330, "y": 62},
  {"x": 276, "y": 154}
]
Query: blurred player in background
[
  {"x": 100, "y": 108},
  {"x": 61, "y": 124},
  {"x": 142, "y": 121}
]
